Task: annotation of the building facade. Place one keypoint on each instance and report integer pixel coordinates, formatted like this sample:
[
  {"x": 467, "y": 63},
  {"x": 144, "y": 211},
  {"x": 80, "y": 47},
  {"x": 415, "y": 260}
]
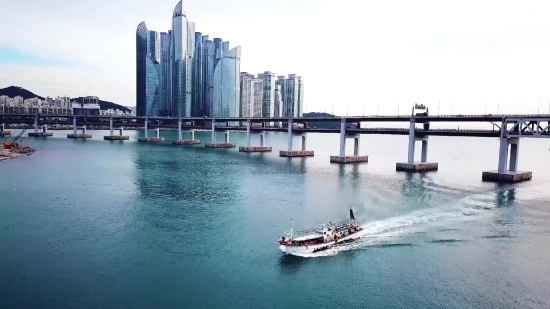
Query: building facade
[
  {"x": 165, "y": 107},
  {"x": 148, "y": 92}
]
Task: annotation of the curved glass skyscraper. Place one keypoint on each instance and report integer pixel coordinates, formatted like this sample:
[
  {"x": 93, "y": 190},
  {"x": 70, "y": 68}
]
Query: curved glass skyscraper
[
  {"x": 182, "y": 48},
  {"x": 148, "y": 92}
]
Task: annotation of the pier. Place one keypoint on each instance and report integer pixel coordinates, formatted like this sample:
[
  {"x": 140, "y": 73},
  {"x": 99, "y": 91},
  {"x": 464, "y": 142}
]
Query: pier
[
  {"x": 214, "y": 144},
  {"x": 76, "y": 129},
  {"x": 3, "y": 132},
  {"x": 112, "y": 137},
  {"x": 147, "y": 139},
  {"x": 290, "y": 153},
  {"x": 181, "y": 141},
  {"x": 36, "y": 132},
  {"x": 248, "y": 147},
  {"x": 411, "y": 165},
  {"x": 511, "y": 129},
  {"x": 342, "y": 158}
]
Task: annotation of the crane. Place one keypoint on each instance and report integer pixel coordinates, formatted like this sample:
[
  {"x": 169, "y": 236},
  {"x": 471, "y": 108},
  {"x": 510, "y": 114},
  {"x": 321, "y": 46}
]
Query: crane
[{"x": 9, "y": 144}]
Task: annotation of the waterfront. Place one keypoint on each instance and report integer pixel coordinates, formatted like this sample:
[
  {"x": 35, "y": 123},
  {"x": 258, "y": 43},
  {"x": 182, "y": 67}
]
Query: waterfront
[{"x": 90, "y": 223}]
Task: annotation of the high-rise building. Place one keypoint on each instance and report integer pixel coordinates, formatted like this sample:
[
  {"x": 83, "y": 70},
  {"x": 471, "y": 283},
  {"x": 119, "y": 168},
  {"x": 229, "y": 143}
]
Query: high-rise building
[
  {"x": 251, "y": 96},
  {"x": 182, "y": 49},
  {"x": 148, "y": 93},
  {"x": 165, "y": 108},
  {"x": 216, "y": 83},
  {"x": 292, "y": 89},
  {"x": 268, "y": 101}
]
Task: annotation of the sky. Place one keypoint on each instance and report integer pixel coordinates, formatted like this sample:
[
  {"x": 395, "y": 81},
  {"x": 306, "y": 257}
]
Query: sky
[{"x": 355, "y": 56}]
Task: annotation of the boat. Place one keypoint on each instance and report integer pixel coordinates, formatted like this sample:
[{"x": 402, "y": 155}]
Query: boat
[{"x": 328, "y": 235}]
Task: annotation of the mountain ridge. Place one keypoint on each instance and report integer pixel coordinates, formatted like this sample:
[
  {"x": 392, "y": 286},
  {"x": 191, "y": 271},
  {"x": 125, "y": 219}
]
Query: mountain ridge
[{"x": 14, "y": 91}]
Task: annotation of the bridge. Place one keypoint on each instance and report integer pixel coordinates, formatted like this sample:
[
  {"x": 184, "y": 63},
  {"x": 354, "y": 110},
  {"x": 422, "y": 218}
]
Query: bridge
[{"x": 511, "y": 128}]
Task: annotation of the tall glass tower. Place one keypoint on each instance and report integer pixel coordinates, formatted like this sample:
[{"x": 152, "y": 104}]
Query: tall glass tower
[
  {"x": 216, "y": 78},
  {"x": 182, "y": 49},
  {"x": 165, "y": 108},
  {"x": 148, "y": 77}
]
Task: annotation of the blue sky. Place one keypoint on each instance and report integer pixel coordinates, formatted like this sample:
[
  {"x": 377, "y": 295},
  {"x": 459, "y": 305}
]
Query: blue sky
[
  {"x": 353, "y": 54},
  {"x": 14, "y": 56}
]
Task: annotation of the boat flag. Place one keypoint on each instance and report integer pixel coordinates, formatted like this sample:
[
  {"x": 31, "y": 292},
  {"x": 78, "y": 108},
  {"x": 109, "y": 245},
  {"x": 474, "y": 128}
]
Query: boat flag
[{"x": 351, "y": 216}]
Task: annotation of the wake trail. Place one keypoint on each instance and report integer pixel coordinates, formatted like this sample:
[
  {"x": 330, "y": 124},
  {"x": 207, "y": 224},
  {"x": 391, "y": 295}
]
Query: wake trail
[{"x": 381, "y": 233}]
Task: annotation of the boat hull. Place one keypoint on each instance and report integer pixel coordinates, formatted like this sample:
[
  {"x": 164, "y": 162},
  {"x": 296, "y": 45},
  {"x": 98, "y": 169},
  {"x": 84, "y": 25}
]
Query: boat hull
[{"x": 312, "y": 249}]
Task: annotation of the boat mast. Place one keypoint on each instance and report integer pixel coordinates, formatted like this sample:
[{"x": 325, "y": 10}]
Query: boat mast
[{"x": 291, "y": 232}]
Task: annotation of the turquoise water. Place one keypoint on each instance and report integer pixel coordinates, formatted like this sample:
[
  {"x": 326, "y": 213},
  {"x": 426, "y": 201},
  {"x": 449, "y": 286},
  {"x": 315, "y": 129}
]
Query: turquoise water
[{"x": 90, "y": 223}]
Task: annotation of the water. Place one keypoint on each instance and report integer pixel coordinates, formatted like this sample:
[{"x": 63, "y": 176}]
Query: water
[{"x": 88, "y": 224}]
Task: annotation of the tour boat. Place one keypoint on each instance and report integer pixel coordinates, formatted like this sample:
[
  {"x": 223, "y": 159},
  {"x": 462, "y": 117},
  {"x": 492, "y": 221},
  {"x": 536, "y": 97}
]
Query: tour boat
[{"x": 326, "y": 236}]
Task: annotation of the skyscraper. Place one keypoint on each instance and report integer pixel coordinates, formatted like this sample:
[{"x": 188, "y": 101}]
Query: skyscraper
[
  {"x": 292, "y": 89},
  {"x": 216, "y": 78},
  {"x": 268, "y": 101},
  {"x": 165, "y": 75},
  {"x": 148, "y": 77},
  {"x": 251, "y": 96},
  {"x": 182, "y": 49}
]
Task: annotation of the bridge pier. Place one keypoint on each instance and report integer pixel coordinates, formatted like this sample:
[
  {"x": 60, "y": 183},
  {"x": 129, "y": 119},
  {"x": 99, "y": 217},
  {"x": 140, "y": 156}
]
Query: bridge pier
[
  {"x": 37, "y": 133},
  {"x": 148, "y": 139},
  {"x": 411, "y": 165},
  {"x": 248, "y": 148},
  {"x": 181, "y": 141},
  {"x": 342, "y": 158},
  {"x": 75, "y": 133},
  {"x": 113, "y": 137},
  {"x": 295, "y": 153},
  {"x": 3, "y": 132},
  {"x": 214, "y": 144},
  {"x": 509, "y": 148}
]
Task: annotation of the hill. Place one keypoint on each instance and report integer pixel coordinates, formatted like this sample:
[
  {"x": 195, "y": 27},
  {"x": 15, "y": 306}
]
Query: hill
[
  {"x": 325, "y": 124},
  {"x": 14, "y": 91}
]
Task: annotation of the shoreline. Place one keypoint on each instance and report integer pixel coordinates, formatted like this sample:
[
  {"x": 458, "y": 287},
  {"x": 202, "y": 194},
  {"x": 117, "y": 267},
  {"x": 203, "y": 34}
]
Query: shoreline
[{"x": 6, "y": 154}]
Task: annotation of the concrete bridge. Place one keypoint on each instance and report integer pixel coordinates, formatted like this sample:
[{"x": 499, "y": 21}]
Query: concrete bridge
[{"x": 510, "y": 129}]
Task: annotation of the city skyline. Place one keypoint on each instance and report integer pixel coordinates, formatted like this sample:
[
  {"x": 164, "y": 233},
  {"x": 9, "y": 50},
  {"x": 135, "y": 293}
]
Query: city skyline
[
  {"x": 183, "y": 73},
  {"x": 410, "y": 52}
]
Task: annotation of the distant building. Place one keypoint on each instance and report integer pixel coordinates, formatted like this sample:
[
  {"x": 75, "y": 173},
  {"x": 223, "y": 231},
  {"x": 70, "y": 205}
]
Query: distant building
[{"x": 89, "y": 107}]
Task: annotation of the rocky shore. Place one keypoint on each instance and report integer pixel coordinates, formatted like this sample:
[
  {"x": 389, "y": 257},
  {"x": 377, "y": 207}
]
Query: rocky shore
[{"x": 6, "y": 154}]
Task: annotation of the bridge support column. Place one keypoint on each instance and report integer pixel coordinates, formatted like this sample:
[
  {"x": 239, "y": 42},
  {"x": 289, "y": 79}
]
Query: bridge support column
[
  {"x": 342, "y": 158},
  {"x": 214, "y": 144},
  {"x": 411, "y": 165},
  {"x": 3, "y": 132},
  {"x": 82, "y": 135},
  {"x": 181, "y": 141},
  {"x": 248, "y": 147},
  {"x": 112, "y": 136},
  {"x": 147, "y": 139},
  {"x": 509, "y": 149},
  {"x": 37, "y": 133},
  {"x": 295, "y": 153}
]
